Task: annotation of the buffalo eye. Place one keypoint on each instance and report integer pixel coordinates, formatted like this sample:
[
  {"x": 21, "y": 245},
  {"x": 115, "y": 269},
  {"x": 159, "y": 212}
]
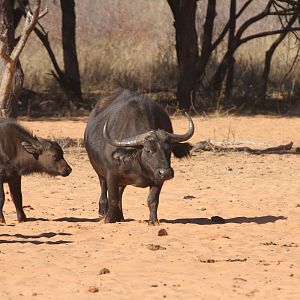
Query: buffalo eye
[
  {"x": 54, "y": 157},
  {"x": 148, "y": 152}
]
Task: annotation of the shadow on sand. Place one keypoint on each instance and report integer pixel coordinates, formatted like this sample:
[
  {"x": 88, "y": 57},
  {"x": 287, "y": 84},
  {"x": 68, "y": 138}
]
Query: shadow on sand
[
  {"x": 79, "y": 220},
  {"x": 31, "y": 239},
  {"x": 219, "y": 220},
  {"x": 37, "y": 219},
  {"x": 76, "y": 220}
]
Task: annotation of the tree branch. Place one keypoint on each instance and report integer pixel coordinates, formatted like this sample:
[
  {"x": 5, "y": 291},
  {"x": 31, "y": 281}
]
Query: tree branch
[
  {"x": 226, "y": 27},
  {"x": 254, "y": 19},
  {"x": 12, "y": 59},
  {"x": 30, "y": 22},
  {"x": 267, "y": 33}
]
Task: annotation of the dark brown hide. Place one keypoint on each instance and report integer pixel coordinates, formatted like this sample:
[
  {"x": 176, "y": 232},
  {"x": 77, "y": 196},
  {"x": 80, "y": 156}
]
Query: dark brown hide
[{"x": 21, "y": 153}]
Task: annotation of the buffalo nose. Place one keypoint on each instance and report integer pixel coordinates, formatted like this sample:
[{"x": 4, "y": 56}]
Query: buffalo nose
[
  {"x": 67, "y": 171},
  {"x": 166, "y": 173}
]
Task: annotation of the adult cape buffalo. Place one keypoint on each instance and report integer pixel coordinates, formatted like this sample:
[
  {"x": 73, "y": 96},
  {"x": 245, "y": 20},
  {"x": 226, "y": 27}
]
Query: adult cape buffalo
[{"x": 129, "y": 140}]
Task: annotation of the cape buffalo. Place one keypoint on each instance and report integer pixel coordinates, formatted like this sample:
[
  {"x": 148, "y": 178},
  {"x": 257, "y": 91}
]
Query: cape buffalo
[
  {"x": 21, "y": 153},
  {"x": 129, "y": 140}
]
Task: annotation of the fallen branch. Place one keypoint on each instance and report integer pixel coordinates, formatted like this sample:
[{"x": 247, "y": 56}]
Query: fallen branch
[{"x": 209, "y": 146}]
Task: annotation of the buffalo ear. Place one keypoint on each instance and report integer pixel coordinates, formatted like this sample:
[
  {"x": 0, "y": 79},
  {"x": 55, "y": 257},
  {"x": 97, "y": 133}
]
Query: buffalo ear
[
  {"x": 32, "y": 148},
  {"x": 124, "y": 154},
  {"x": 181, "y": 150}
]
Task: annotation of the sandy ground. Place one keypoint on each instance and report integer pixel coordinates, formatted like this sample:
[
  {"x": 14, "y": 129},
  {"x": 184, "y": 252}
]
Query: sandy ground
[{"x": 60, "y": 252}]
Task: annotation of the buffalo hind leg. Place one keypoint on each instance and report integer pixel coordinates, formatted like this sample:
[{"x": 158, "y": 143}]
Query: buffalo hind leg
[
  {"x": 152, "y": 201},
  {"x": 2, "y": 199},
  {"x": 114, "y": 213},
  {"x": 103, "y": 202},
  {"x": 16, "y": 194}
]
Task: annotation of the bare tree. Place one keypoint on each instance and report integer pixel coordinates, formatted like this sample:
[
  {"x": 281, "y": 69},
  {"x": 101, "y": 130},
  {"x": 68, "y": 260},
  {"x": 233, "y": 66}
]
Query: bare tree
[
  {"x": 208, "y": 44},
  {"x": 68, "y": 77},
  {"x": 184, "y": 12},
  {"x": 8, "y": 96},
  {"x": 11, "y": 57},
  {"x": 207, "y": 39},
  {"x": 291, "y": 15},
  {"x": 231, "y": 60},
  {"x": 237, "y": 38},
  {"x": 71, "y": 76}
]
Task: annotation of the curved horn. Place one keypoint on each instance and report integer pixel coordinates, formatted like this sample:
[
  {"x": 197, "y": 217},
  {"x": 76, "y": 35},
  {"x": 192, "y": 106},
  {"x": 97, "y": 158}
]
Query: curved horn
[
  {"x": 135, "y": 141},
  {"x": 177, "y": 138}
]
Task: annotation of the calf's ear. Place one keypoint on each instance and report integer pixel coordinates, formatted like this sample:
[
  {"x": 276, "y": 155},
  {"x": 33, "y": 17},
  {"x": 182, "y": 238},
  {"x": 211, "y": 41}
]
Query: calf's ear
[
  {"x": 181, "y": 150},
  {"x": 32, "y": 148}
]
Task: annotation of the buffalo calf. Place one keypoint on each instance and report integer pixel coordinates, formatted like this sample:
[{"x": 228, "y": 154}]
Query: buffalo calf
[{"x": 21, "y": 153}]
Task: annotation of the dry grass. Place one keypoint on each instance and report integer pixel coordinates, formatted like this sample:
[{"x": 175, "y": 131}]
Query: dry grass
[{"x": 131, "y": 44}]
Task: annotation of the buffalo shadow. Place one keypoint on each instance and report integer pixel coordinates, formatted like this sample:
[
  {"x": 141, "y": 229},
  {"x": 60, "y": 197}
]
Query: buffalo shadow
[
  {"x": 92, "y": 220},
  {"x": 219, "y": 220},
  {"x": 32, "y": 239},
  {"x": 77, "y": 220}
]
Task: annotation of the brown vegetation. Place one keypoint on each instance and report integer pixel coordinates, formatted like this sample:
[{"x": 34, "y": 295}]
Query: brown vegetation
[{"x": 131, "y": 44}]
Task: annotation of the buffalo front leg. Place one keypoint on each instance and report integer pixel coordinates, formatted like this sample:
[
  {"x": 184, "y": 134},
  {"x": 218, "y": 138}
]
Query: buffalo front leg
[
  {"x": 16, "y": 194},
  {"x": 121, "y": 190},
  {"x": 114, "y": 213},
  {"x": 2, "y": 199},
  {"x": 103, "y": 202},
  {"x": 152, "y": 201}
]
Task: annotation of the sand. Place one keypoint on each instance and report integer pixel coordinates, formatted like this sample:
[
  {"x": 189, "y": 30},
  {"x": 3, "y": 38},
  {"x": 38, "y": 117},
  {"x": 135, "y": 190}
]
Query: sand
[{"x": 61, "y": 252}]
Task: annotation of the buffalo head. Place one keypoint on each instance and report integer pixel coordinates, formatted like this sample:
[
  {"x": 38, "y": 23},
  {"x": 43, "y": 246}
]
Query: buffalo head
[
  {"x": 153, "y": 149},
  {"x": 49, "y": 157}
]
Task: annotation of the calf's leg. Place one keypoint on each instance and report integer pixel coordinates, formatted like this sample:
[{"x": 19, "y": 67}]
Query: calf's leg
[
  {"x": 2, "y": 199},
  {"x": 16, "y": 194},
  {"x": 152, "y": 201}
]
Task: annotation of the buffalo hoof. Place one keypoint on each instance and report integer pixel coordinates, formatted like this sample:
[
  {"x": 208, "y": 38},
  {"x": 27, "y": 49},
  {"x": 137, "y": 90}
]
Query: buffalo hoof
[
  {"x": 153, "y": 222},
  {"x": 21, "y": 216},
  {"x": 102, "y": 221},
  {"x": 101, "y": 218},
  {"x": 113, "y": 220},
  {"x": 22, "y": 219},
  {"x": 113, "y": 217},
  {"x": 103, "y": 210}
]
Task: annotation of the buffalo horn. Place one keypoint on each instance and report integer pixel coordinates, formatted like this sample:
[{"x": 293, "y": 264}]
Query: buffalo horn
[
  {"x": 135, "y": 141},
  {"x": 177, "y": 138}
]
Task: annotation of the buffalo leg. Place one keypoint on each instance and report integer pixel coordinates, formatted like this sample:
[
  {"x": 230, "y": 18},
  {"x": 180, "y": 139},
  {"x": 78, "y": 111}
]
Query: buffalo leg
[
  {"x": 121, "y": 190},
  {"x": 103, "y": 202},
  {"x": 16, "y": 194},
  {"x": 152, "y": 201},
  {"x": 2, "y": 199},
  {"x": 114, "y": 213}
]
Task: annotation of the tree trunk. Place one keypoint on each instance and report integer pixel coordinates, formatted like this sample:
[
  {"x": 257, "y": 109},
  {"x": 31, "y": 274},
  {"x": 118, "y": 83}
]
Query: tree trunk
[
  {"x": 218, "y": 78},
  {"x": 206, "y": 48},
  {"x": 268, "y": 58},
  {"x": 8, "y": 108},
  {"x": 231, "y": 61},
  {"x": 72, "y": 76},
  {"x": 184, "y": 12}
]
